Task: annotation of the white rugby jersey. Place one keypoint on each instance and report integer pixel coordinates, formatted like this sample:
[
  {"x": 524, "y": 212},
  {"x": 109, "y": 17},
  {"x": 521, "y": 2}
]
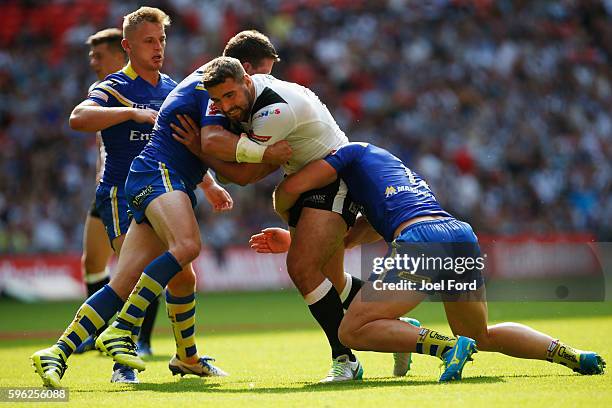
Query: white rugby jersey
[{"x": 288, "y": 111}]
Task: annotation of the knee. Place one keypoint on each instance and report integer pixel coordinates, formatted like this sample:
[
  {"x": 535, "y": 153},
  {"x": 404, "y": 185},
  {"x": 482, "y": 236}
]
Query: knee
[
  {"x": 186, "y": 250},
  {"x": 85, "y": 264},
  {"x": 123, "y": 285},
  {"x": 303, "y": 276},
  {"x": 89, "y": 264},
  {"x": 347, "y": 335},
  {"x": 482, "y": 338}
]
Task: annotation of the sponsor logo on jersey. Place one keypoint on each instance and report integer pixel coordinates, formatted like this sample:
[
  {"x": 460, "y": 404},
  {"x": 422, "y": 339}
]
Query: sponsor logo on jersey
[
  {"x": 98, "y": 94},
  {"x": 389, "y": 191},
  {"x": 268, "y": 112},
  {"x": 212, "y": 110},
  {"x": 138, "y": 136},
  {"x": 258, "y": 138},
  {"x": 393, "y": 190},
  {"x": 144, "y": 193},
  {"x": 140, "y": 105}
]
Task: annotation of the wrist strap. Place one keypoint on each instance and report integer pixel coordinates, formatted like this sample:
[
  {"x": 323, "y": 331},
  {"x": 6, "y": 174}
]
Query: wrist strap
[{"x": 247, "y": 151}]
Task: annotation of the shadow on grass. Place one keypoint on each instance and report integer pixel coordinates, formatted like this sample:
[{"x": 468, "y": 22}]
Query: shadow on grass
[
  {"x": 199, "y": 385},
  {"x": 155, "y": 358}
]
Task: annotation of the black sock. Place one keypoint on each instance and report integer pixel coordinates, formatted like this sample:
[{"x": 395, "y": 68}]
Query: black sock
[
  {"x": 149, "y": 320},
  {"x": 356, "y": 284},
  {"x": 328, "y": 313},
  {"x": 96, "y": 286}
]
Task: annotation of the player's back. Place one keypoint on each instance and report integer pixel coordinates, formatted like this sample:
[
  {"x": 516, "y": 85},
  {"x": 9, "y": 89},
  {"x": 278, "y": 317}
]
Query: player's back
[
  {"x": 188, "y": 98},
  {"x": 306, "y": 122},
  {"x": 124, "y": 141},
  {"x": 389, "y": 192}
]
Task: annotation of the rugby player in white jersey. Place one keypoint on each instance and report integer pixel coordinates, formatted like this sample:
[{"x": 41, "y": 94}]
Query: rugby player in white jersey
[{"x": 267, "y": 111}]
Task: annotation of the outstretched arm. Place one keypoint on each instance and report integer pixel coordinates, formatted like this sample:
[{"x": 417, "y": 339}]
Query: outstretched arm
[
  {"x": 315, "y": 175},
  {"x": 278, "y": 240}
]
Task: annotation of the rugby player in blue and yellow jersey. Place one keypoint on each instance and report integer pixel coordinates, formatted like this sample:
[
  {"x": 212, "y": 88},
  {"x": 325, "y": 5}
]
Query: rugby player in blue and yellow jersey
[
  {"x": 124, "y": 107},
  {"x": 106, "y": 55},
  {"x": 400, "y": 208}
]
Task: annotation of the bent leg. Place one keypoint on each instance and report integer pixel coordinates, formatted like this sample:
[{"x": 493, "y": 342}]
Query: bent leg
[
  {"x": 517, "y": 340},
  {"x": 374, "y": 325},
  {"x": 514, "y": 339}
]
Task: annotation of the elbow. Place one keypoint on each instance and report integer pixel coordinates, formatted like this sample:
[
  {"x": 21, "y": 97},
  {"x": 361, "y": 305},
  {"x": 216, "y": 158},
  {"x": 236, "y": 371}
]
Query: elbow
[
  {"x": 76, "y": 122},
  {"x": 207, "y": 145},
  {"x": 210, "y": 145}
]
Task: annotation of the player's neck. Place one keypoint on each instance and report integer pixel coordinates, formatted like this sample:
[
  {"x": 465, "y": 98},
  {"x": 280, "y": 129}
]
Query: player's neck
[{"x": 151, "y": 76}]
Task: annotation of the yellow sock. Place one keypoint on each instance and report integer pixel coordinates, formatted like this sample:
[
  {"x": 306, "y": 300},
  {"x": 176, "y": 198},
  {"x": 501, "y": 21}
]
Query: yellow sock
[
  {"x": 181, "y": 311},
  {"x": 560, "y": 353},
  {"x": 434, "y": 343}
]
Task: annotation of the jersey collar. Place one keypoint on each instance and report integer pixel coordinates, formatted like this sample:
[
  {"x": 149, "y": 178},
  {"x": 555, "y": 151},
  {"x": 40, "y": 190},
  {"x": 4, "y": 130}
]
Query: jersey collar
[{"x": 129, "y": 71}]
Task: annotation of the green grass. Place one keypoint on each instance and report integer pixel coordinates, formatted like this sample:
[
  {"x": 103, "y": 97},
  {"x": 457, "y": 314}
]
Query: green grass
[{"x": 275, "y": 354}]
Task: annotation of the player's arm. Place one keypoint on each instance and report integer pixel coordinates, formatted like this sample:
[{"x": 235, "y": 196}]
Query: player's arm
[
  {"x": 361, "y": 233},
  {"x": 239, "y": 173},
  {"x": 315, "y": 175},
  {"x": 278, "y": 240},
  {"x": 223, "y": 145},
  {"x": 89, "y": 116}
]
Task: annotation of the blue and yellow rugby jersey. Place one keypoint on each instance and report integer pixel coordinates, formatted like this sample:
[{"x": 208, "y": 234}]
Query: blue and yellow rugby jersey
[
  {"x": 389, "y": 192},
  {"x": 126, "y": 140},
  {"x": 188, "y": 98}
]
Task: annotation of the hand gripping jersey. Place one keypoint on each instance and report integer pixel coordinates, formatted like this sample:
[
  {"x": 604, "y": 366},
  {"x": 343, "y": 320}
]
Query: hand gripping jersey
[
  {"x": 126, "y": 140},
  {"x": 389, "y": 192},
  {"x": 188, "y": 98},
  {"x": 287, "y": 111}
]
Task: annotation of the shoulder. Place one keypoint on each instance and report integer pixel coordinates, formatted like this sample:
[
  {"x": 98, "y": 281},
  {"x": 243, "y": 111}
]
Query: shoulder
[
  {"x": 351, "y": 150},
  {"x": 92, "y": 86},
  {"x": 118, "y": 78},
  {"x": 270, "y": 100},
  {"x": 167, "y": 80}
]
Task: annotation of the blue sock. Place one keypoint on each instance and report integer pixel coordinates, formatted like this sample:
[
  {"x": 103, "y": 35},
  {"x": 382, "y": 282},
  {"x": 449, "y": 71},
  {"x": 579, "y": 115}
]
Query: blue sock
[
  {"x": 150, "y": 285},
  {"x": 97, "y": 310}
]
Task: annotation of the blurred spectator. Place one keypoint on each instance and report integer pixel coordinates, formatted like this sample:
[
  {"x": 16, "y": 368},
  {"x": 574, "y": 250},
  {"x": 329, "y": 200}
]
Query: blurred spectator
[{"x": 505, "y": 106}]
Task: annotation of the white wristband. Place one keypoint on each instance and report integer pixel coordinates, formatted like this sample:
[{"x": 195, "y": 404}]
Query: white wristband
[{"x": 247, "y": 151}]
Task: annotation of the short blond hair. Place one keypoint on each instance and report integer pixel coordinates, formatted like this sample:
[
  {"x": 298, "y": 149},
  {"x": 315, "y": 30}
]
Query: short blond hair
[{"x": 150, "y": 14}]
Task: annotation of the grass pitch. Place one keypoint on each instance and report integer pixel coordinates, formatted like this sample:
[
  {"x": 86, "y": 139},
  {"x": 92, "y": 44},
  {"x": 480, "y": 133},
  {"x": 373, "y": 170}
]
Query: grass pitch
[{"x": 275, "y": 355}]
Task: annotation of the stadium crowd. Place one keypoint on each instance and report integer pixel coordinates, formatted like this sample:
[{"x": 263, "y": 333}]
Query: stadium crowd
[{"x": 504, "y": 106}]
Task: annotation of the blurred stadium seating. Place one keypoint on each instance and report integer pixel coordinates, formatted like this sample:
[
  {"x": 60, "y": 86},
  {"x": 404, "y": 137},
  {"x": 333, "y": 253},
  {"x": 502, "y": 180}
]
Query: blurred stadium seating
[{"x": 504, "y": 106}]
